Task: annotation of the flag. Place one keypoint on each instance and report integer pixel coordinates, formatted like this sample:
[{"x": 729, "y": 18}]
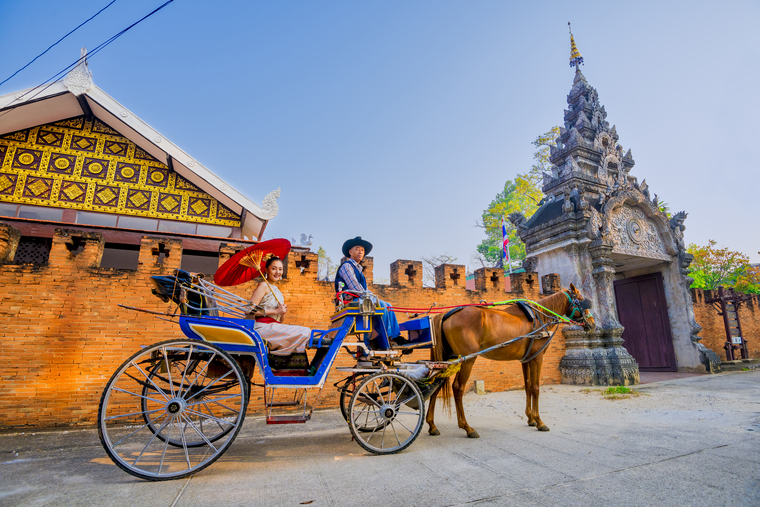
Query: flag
[{"x": 505, "y": 244}]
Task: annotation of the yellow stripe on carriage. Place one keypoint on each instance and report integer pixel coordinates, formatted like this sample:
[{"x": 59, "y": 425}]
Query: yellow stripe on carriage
[{"x": 216, "y": 334}]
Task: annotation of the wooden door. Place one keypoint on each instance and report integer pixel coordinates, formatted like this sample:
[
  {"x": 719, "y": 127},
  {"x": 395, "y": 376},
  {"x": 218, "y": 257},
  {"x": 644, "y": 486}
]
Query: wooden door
[{"x": 642, "y": 310}]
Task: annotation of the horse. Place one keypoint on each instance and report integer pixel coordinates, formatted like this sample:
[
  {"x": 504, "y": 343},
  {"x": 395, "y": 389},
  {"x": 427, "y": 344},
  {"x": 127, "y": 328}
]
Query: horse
[{"x": 475, "y": 328}]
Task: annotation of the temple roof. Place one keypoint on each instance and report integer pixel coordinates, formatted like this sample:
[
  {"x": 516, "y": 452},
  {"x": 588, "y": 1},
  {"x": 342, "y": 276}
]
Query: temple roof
[{"x": 76, "y": 95}]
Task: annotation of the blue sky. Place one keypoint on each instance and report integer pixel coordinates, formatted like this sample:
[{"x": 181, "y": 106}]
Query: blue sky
[{"x": 400, "y": 121}]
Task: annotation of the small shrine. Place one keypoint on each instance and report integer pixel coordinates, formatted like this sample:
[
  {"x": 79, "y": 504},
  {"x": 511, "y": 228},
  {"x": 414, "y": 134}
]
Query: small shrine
[{"x": 601, "y": 229}]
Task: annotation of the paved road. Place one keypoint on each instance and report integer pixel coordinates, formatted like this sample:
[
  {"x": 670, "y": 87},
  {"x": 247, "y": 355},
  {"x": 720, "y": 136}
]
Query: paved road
[{"x": 693, "y": 441}]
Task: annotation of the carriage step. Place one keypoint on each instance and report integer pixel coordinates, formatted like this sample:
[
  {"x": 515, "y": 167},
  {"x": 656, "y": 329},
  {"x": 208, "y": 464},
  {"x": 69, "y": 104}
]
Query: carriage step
[
  {"x": 284, "y": 404},
  {"x": 288, "y": 419}
]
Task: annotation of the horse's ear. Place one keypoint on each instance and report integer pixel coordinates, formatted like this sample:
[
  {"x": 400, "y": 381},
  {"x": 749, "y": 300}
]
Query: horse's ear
[{"x": 573, "y": 289}]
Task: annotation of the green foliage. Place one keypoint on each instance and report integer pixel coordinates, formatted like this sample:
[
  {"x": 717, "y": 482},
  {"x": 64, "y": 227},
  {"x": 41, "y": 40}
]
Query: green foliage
[
  {"x": 325, "y": 268},
  {"x": 713, "y": 267},
  {"x": 520, "y": 195}
]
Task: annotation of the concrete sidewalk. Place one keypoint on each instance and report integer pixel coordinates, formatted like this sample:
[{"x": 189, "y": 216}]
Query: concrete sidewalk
[{"x": 690, "y": 441}]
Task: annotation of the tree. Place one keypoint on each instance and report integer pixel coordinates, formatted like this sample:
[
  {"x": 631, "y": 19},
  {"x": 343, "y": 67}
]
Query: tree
[
  {"x": 325, "y": 268},
  {"x": 713, "y": 267},
  {"x": 429, "y": 264},
  {"x": 519, "y": 195}
]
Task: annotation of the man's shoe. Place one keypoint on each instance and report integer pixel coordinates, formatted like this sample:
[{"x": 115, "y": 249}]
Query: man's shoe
[{"x": 398, "y": 341}]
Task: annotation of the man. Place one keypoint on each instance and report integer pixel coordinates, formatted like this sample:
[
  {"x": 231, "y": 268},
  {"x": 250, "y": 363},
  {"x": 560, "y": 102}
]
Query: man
[{"x": 350, "y": 277}]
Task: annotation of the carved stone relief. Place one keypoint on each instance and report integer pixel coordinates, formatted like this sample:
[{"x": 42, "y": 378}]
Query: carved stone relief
[{"x": 634, "y": 234}]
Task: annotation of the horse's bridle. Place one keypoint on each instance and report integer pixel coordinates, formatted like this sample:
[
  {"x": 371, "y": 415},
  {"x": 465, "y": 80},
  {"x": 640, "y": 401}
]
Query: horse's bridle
[{"x": 580, "y": 307}]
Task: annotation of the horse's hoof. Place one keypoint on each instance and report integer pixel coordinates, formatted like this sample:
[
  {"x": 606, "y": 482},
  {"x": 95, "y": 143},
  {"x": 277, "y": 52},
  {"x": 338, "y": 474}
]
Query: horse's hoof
[
  {"x": 531, "y": 423},
  {"x": 434, "y": 432},
  {"x": 473, "y": 434},
  {"x": 543, "y": 428}
]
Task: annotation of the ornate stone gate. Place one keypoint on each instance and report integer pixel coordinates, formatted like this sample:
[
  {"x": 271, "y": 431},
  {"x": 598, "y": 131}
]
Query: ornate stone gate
[{"x": 598, "y": 224}]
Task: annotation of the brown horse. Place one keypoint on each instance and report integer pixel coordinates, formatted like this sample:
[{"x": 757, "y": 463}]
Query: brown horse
[{"x": 473, "y": 329}]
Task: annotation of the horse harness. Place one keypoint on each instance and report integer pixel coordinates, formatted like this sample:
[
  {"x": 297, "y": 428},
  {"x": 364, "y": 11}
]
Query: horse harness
[{"x": 539, "y": 332}]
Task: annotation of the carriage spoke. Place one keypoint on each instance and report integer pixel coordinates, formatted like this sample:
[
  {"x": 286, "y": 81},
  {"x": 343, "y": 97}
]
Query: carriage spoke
[
  {"x": 184, "y": 445},
  {"x": 379, "y": 394},
  {"x": 168, "y": 372},
  {"x": 211, "y": 384},
  {"x": 150, "y": 380},
  {"x": 138, "y": 395},
  {"x": 200, "y": 434},
  {"x": 201, "y": 372},
  {"x": 208, "y": 409},
  {"x": 184, "y": 371},
  {"x": 134, "y": 413},
  {"x": 394, "y": 432},
  {"x": 215, "y": 400},
  {"x": 163, "y": 455},
  {"x": 211, "y": 417},
  {"x": 138, "y": 429},
  {"x": 134, "y": 463},
  {"x": 398, "y": 394},
  {"x": 402, "y": 424}
]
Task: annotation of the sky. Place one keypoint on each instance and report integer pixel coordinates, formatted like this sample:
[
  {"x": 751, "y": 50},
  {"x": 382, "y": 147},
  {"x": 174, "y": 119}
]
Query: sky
[{"x": 401, "y": 121}]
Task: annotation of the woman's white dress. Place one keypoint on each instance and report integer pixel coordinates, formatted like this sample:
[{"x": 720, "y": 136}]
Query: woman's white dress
[{"x": 283, "y": 339}]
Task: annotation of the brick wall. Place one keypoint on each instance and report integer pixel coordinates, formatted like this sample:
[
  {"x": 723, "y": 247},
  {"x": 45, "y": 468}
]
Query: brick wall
[
  {"x": 63, "y": 333},
  {"x": 714, "y": 332}
]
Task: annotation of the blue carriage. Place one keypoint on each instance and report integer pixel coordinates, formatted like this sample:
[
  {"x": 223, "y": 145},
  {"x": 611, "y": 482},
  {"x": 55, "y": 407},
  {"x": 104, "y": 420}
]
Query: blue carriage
[{"x": 175, "y": 407}]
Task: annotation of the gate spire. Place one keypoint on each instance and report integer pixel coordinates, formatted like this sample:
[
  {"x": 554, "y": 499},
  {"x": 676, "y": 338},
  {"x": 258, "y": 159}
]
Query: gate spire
[{"x": 575, "y": 56}]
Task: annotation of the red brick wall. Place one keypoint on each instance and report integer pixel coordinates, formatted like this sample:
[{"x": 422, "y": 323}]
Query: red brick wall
[
  {"x": 714, "y": 332},
  {"x": 63, "y": 334}
]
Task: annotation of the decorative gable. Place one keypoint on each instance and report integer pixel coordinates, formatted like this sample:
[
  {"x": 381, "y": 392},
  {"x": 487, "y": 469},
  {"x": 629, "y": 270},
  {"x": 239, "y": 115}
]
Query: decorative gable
[{"x": 86, "y": 165}]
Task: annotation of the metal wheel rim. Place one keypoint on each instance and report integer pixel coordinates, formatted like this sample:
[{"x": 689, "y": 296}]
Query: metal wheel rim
[
  {"x": 206, "y": 405},
  {"x": 383, "y": 400},
  {"x": 345, "y": 400}
]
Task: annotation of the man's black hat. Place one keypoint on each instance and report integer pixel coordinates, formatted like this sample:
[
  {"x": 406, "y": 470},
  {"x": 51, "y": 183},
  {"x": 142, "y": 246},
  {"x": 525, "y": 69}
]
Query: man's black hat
[{"x": 357, "y": 241}]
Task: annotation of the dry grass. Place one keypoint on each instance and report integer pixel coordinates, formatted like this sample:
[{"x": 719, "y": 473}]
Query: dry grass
[{"x": 615, "y": 392}]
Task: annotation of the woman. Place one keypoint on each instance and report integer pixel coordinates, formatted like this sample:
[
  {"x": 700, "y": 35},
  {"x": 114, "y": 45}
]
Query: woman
[{"x": 283, "y": 339}]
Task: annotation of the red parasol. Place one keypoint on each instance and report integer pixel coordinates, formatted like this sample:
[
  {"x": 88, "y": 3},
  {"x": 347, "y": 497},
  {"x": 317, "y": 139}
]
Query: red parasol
[{"x": 249, "y": 263}]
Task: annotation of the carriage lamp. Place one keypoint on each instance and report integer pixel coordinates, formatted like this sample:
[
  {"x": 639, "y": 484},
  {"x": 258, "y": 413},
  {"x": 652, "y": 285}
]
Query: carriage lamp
[{"x": 366, "y": 308}]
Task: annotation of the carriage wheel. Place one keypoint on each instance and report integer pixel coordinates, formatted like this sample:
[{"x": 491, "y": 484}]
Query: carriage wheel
[
  {"x": 393, "y": 406},
  {"x": 159, "y": 379},
  {"x": 345, "y": 398},
  {"x": 172, "y": 409}
]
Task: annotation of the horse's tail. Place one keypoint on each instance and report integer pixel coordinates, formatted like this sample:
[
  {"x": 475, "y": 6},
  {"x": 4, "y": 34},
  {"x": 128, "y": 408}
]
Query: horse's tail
[{"x": 436, "y": 354}]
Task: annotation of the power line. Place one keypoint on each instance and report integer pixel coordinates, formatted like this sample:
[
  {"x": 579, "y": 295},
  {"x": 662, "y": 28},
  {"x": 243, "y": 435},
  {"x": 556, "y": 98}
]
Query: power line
[
  {"x": 82, "y": 58},
  {"x": 55, "y": 43}
]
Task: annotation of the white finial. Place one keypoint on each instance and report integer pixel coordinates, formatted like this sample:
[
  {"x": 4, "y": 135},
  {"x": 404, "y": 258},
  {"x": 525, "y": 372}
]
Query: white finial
[{"x": 79, "y": 79}]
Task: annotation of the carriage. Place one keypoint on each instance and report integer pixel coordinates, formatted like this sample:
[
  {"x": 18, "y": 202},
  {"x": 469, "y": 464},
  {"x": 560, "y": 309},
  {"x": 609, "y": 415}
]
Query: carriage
[{"x": 174, "y": 407}]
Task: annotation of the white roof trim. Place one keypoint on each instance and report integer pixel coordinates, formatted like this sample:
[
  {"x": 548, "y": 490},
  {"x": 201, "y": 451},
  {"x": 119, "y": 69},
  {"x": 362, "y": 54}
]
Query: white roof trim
[{"x": 154, "y": 143}]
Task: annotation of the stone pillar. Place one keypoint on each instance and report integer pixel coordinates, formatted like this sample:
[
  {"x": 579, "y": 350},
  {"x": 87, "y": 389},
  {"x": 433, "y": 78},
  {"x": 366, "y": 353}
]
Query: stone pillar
[{"x": 598, "y": 357}]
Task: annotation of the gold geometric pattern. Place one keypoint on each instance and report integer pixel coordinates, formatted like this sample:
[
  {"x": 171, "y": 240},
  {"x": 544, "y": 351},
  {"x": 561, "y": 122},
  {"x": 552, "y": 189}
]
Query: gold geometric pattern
[
  {"x": 99, "y": 126},
  {"x": 170, "y": 203},
  {"x": 128, "y": 173},
  {"x": 82, "y": 143},
  {"x": 27, "y": 159},
  {"x": 72, "y": 123},
  {"x": 137, "y": 199},
  {"x": 38, "y": 188},
  {"x": 106, "y": 196},
  {"x": 58, "y": 162},
  {"x": 49, "y": 138},
  {"x": 61, "y": 163},
  {"x": 95, "y": 168},
  {"x": 7, "y": 183},
  {"x": 114, "y": 148},
  {"x": 157, "y": 177},
  {"x": 73, "y": 191},
  {"x": 199, "y": 207}
]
